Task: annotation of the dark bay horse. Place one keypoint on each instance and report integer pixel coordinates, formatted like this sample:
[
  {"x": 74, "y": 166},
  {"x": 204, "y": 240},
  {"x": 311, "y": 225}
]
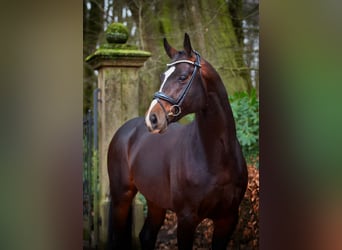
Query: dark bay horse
[{"x": 196, "y": 170}]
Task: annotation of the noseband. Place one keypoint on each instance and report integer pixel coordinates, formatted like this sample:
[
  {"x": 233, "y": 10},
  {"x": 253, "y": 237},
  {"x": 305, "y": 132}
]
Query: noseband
[{"x": 175, "y": 109}]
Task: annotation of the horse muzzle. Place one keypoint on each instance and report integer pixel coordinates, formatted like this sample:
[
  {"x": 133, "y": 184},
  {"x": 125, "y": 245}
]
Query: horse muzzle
[
  {"x": 155, "y": 119},
  {"x": 156, "y": 124}
]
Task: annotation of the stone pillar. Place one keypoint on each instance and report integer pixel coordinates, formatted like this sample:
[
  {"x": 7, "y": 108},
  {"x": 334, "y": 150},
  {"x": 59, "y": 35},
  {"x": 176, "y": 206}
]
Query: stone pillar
[{"x": 117, "y": 64}]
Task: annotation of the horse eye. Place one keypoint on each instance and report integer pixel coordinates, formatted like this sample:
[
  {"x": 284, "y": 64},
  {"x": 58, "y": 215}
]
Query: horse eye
[{"x": 182, "y": 77}]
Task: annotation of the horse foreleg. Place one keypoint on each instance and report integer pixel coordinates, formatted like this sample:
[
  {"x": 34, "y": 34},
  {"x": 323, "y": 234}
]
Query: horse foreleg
[
  {"x": 223, "y": 230},
  {"x": 153, "y": 222},
  {"x": 122, "y": 220},
  {"x": 187, "y": 224}
]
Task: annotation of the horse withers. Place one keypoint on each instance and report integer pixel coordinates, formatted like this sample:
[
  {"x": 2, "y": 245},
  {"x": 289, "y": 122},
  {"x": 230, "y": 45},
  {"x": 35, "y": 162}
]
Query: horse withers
[{"x": 196, "y": 170}]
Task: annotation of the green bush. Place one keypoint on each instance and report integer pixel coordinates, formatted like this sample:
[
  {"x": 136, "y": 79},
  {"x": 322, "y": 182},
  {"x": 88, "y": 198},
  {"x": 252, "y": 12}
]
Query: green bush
[{"x": 245, "y": 108}]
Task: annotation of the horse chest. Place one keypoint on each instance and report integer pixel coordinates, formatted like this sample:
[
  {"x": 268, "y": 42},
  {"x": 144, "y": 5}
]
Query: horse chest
[
  {"x": 196, "y": 185},
  {"x": 217, "y": 201}
]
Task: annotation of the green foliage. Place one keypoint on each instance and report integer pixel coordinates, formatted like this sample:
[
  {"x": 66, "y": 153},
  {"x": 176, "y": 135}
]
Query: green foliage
[
  {"x": 142, "y": 199},
  {"x": 245, "y": 108}
]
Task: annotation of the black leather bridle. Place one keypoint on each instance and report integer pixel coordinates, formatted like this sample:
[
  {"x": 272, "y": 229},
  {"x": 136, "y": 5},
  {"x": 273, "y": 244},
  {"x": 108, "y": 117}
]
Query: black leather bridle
[{"x": 175, "y": 109}]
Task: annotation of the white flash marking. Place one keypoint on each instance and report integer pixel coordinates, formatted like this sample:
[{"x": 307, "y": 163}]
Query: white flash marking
[
  {"x": 167, "y": 75},
  {"x": 147, "y": 117},
  {"x": 154, "y": 102}
]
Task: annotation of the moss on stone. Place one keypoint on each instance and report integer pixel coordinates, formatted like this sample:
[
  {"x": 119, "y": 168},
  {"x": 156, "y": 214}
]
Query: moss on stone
[
  {"x": 113, "y": 50},
  {"x": 117, "y": 28},
  {"x": 117, "y": 33},
  {"x": 119, "y": 46},
  {"x": 114, "y": 53}
]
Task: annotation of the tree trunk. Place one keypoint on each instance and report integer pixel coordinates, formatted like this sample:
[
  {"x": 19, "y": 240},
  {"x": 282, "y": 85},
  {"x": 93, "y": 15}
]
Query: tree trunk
[{"x": 212, "y": 34}]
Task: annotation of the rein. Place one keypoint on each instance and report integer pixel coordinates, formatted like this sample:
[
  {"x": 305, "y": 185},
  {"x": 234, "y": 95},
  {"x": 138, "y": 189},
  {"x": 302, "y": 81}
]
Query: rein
[{"x": 176, "y": 103}]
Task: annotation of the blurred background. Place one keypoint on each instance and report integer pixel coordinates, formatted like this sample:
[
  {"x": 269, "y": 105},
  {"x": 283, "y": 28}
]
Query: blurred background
[
  {"x": 226, "y": 33},
  {"x": 42, "y": 75}
]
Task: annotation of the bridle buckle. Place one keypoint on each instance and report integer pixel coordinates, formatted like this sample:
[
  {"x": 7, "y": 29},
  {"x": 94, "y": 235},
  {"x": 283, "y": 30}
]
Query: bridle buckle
[{"x": 175, "y": 110}]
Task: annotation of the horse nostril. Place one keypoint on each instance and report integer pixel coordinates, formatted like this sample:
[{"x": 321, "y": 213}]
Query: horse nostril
[{"x": 153, "y": 119}]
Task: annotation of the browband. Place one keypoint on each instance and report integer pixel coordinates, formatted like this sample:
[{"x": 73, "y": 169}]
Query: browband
[{"x": 183, "y": 61}]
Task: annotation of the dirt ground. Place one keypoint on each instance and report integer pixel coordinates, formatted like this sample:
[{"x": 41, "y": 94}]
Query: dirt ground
[{"x": 167, "y": 234}]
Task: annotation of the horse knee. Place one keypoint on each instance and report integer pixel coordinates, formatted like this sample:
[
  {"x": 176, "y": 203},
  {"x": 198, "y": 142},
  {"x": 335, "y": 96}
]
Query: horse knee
[
  {"x": 147, "y": 241},
  {"x": 186, "y": 230},
  {"x": 223, "y": 230},
  {"x": 148, "y": 234}
]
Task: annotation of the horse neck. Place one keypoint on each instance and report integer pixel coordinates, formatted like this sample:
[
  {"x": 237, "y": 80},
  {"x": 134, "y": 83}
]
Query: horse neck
[{"x": 215, "y": 123}]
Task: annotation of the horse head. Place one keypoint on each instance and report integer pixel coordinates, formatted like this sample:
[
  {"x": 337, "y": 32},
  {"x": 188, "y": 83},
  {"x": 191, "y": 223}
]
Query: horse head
[{"x": 182, "y": 89}]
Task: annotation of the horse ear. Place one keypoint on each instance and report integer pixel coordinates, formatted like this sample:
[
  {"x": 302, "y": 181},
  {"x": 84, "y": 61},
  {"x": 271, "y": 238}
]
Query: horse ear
[
  {"x": 187, "y": 44},
  {"x": 171, "y": 52}
]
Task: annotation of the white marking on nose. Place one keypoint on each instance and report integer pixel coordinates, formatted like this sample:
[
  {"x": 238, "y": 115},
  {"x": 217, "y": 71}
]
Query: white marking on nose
[
  {"x": 166, "y": 76},
  {"x": 154, "y": 102},
  {"x": 147, "y": 117}
]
